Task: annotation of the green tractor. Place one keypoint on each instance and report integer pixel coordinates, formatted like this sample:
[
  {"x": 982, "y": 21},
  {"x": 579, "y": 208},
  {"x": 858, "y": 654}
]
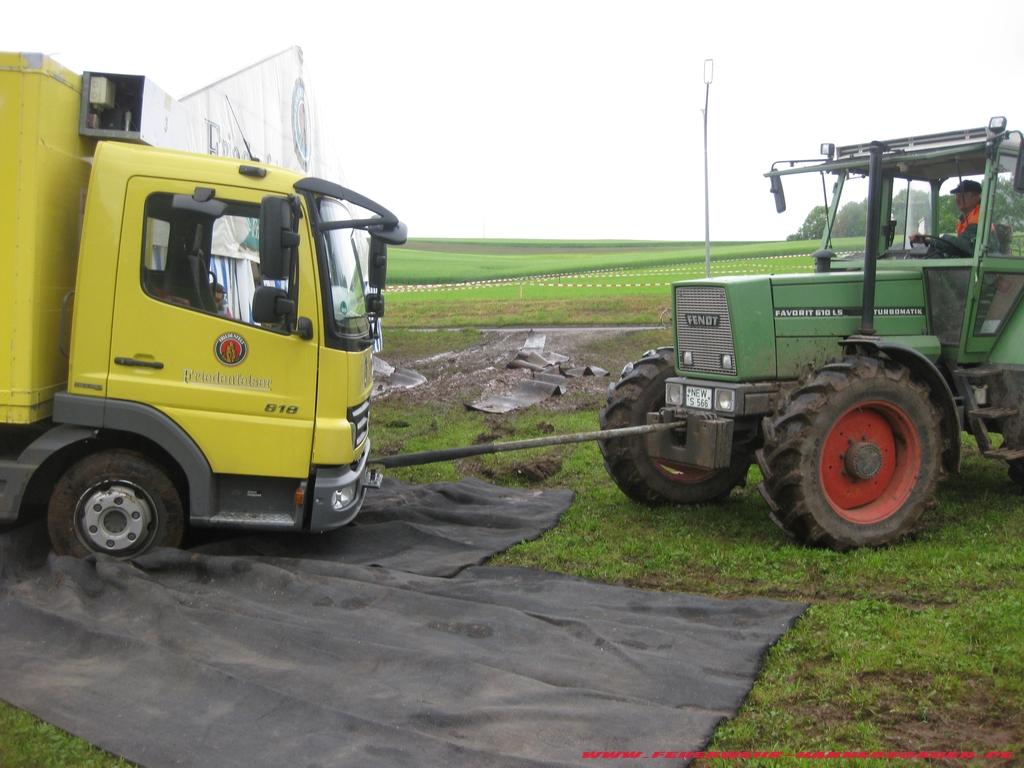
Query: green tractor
[{"x": 849, "y": 387}]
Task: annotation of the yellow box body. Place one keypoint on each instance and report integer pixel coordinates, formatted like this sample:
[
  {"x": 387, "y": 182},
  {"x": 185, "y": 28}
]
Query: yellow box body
[{"x": 44, "y": 171}]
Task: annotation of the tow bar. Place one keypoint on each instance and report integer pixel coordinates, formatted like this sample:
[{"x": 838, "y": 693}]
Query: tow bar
[{"x": 429, "y": 457}]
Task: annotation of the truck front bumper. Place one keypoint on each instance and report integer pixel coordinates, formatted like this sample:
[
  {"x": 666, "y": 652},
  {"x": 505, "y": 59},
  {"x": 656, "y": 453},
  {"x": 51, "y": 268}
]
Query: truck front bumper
[
  {"x": 710, "y": 413},
  {"x": 338, "y": 493}
]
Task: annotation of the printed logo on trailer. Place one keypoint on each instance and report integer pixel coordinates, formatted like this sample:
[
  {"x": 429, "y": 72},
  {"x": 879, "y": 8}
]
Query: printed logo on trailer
[
  {"x": 300, "y": 124},
  {"x": 230, "y": 349}
]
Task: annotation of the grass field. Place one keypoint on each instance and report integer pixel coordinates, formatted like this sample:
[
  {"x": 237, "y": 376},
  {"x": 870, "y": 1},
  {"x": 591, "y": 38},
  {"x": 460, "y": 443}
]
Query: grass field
[
  {"x": 465, "y": 261},
  {"x": 468, "y": 283},
  {"x": 916, "y": 647}
]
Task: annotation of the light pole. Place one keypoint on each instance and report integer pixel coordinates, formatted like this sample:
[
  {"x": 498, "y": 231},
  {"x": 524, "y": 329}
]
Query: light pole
[{"x": 709, "y": 71}]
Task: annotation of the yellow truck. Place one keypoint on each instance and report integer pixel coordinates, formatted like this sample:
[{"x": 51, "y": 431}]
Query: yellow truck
[{"x": 133, "y": 401}]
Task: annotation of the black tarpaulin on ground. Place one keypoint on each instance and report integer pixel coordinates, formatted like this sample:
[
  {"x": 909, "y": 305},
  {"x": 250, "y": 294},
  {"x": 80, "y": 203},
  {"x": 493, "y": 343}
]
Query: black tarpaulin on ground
[{"x": 243, "y": 653}]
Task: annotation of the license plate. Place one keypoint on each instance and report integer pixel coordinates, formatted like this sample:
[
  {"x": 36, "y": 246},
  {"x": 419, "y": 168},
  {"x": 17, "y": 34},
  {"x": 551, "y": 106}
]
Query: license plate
[{"x": 698, "y": 397}]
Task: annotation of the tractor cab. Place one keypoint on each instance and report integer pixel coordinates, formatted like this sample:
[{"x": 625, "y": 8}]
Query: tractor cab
[
  {"x": 916, "y": 206},
  {"x": 971, "y": 260}
]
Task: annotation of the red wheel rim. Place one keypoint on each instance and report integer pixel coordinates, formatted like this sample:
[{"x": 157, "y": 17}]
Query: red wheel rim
[
  {"x": 873, "y": 490},
  {"x": 683, "y": 473}
]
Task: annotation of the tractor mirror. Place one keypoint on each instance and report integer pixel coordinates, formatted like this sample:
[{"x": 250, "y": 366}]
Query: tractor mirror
[
  {"x": 278, "y": 238},
  {"x": 378, "y": 263},
  {"x": 1018, "y": 173},
  {"x": 780, "y": 196}
]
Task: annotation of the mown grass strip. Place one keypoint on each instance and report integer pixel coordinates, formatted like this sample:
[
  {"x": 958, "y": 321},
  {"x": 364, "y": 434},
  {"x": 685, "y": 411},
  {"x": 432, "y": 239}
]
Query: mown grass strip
[{"x": 412, "y": 265}]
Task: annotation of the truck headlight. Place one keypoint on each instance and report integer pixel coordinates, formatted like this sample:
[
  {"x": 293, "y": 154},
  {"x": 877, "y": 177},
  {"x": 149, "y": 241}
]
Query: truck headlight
[
  {"x": 342, "y": 497},
  {"x": 725, "y": 400},
  {"x": 673, "y": 393}
]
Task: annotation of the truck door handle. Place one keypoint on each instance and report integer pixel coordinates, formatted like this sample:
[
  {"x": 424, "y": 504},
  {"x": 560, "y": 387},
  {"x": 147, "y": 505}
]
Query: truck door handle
[{"x": 131, "y": 361}]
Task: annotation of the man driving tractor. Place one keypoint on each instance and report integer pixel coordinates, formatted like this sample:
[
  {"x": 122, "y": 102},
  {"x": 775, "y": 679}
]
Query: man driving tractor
[{"x": 968, "y": 202}]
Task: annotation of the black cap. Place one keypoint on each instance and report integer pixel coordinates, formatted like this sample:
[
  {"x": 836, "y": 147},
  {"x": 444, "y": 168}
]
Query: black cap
[{"x": 966, "y": 186}]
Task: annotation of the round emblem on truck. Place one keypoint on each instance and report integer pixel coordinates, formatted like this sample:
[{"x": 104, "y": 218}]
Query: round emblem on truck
[
  {"x": 230, "y": 349},
  {"x": 300, "y": 124}
]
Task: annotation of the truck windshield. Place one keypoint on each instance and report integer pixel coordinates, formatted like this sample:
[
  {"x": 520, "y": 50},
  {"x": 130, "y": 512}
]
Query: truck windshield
[{"x": 345, "y": 248}]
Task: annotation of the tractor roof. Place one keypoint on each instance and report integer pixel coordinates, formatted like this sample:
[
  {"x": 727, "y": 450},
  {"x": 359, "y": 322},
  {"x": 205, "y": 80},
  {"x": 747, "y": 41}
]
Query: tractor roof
[{"x": 935, "y": 156}]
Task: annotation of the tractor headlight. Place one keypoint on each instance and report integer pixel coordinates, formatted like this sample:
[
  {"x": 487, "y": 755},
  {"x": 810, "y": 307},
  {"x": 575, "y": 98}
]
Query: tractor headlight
[
  {"x": 674, "y": 393},
  {"x": 725, "y": 400}
]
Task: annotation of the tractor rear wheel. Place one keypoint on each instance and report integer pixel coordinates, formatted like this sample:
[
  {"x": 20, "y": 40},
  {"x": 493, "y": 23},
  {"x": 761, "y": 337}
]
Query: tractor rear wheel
[
  {"x": 640, "y": 476},
  {"x": 853, "y": 457}
]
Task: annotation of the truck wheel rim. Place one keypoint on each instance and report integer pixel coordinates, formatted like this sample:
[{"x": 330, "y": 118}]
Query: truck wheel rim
[
  {"x": 683, "y": 473},
  {"x": 115, "y": 517},
  {"x": 869, "y": 462}
]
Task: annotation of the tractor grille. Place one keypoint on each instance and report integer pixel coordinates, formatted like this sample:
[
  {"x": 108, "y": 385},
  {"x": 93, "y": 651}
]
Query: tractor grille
[
  {"x": 359, "y": 416},
  {"x": 704, "y": 329}
]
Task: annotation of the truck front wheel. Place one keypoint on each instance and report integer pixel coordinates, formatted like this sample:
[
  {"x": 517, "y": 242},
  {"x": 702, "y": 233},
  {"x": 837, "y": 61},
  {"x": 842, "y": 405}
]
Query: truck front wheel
[
  {"x": 853, "y": 457},
  {"x": 639, "y": 475},
  {"x": 118, "y": 502}
]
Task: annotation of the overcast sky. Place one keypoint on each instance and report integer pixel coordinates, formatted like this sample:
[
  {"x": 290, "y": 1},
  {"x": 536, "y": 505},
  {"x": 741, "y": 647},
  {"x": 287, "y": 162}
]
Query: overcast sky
[{"x": 565, "y": 119}]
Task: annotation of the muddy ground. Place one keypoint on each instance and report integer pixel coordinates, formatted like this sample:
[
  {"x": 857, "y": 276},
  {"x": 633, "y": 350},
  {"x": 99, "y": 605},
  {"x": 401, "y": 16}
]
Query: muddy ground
[{"x": 482, "y": 369}]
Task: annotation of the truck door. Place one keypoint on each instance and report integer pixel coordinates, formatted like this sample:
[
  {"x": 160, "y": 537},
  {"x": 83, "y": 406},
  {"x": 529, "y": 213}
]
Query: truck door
[{"x": 245, "y": 393}]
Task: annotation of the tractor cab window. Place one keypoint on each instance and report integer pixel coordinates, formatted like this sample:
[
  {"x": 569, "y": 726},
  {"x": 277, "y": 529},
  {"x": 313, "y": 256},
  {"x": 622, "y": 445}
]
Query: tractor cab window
[
  {"x": 911, "y": 211},
  {"x": 1006, "y": 235},
  {"x": 207, "y": 264},
  {"x": 851, "y": 216}
]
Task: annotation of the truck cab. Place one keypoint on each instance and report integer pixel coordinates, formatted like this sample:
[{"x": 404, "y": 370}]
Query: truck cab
[{"x": 135, "y": 402}]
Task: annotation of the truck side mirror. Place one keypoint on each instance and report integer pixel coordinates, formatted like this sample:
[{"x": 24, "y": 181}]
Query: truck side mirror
[
  {"x": 396, "y": 233},
  {"x": 278, "y": 238},
  {"x": 272, "y": 305},
  {"x": 378, "y": 263},
  {"x": 780, "y": 196},
  {"x": 375, "y": 304}
]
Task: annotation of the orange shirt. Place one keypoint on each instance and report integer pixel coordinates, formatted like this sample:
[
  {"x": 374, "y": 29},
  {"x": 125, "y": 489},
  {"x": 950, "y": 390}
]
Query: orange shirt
[{"x": 966, "y": 220}]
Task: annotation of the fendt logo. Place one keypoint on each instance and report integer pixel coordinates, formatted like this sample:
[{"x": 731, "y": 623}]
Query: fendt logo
[{"x": 695, "y": 320}]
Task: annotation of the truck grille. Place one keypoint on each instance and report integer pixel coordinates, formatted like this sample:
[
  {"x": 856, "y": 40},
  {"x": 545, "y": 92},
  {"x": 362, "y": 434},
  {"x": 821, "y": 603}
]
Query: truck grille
[
  {"x": 359, "y": 416},
  {"x": 704, "y": 329}
]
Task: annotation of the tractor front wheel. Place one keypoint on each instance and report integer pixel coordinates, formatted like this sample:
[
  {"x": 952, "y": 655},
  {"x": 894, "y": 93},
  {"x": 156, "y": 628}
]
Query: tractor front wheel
[
  {"x": 640, "y": 476},
  {"x": 853, "y": 457}
]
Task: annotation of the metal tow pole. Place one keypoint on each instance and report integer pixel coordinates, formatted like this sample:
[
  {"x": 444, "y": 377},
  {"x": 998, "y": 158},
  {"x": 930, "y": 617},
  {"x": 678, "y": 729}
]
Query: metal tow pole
[
  {"x": 709, "y": 69},
  {"x": 445, "y": 454}
]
